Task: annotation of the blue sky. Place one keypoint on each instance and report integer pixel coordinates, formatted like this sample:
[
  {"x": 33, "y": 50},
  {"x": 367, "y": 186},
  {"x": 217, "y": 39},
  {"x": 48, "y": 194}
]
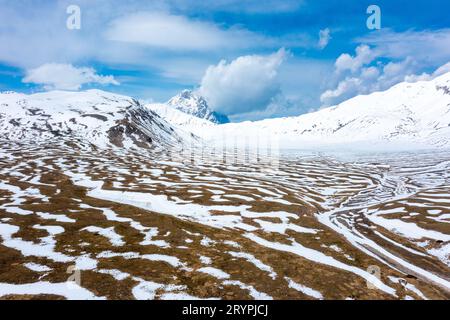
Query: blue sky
[{"x": 251, "y": 59}]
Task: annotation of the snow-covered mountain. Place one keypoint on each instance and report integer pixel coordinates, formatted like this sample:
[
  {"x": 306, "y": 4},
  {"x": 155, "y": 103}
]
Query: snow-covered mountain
[
  {"x": 178, "y": 118},
  {"x": 408, "y": 114},
  {"x": 94, "y": 116},
  {"x": 191, "y": 103}
]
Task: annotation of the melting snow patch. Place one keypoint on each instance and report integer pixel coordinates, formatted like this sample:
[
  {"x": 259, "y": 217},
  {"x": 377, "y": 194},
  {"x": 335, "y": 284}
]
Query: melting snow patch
[
  {"x": 205, "y": 260},
  {"x": 304, "y": 289},
  {"x": 70, "y": 292},
  {"x": 319, "y": 257},
  {"x": 44, "y": 249},
  {"x": 409, "y": 230},
  {"x": 116, "y": 274},
  {"x": 56, "y": 217},
  {"x": 125, "y": 255},
  {"x": 232, "y": 244},
  {"x": 442, "y": 253},
  {"x": 84, "y": 262},
  {"x": 252, "y": 291},
  {"x": 148, "y": 236},
  {"x": 146, "y": 290},
  {"x": 114, "y": 238},
  {"x": 178, "y": 296},
  {"x": 256, "y": 262},
  {"x": 408, "y": 286},
  {"x": 37, "y": 267},
  {"x": 173, "y": 261},
  {"x": 207, "y": 242},
  {"x": 282, "y": 227},
  {"x": 219, "y": 274}
]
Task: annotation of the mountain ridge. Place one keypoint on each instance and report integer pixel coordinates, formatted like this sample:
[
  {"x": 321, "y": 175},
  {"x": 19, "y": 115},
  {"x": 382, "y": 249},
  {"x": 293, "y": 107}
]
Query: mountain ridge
[
  {"x": 193, "y": 104},
  {"x": 407, "y": 113},
  {"x": 98, "y": 117}
]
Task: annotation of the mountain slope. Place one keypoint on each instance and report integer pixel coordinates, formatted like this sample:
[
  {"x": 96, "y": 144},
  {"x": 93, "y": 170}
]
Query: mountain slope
[
  {"x": 408, "y": 113},
  {"x": 195, "y": 105},
  {"x": 178, "y": 118},
  {"x": 101, "y": 118}
]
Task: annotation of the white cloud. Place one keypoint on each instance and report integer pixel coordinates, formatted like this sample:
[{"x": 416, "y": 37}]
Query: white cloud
[
  {"x": 324, "y": 38},
  {"x": 246, "y": 84},
  {"x": 173, "y": 32},
  {"x": 351, "y": 86},
  {"x": 395, "y": 72},
  {"x": 279, "y": 106},
  {"x": 249, "y": 6},
  {"x": 54, "y": 76},
  {"x": 428, "y": 46},
  {"x": 346, "y": 88},
  {"x": 426, "y": 76},
  {"x": 353, "y": 75},
  {"x": 367, "y": 71},
  {"x": 408, "y": 54},
  {"x": 441, "y": 70},
  {"x": 162, "y": 30},
  {"x": 364, "y": 55},
  {"x": 377, "y": 78},
  {"x": 37, "y": 34}
]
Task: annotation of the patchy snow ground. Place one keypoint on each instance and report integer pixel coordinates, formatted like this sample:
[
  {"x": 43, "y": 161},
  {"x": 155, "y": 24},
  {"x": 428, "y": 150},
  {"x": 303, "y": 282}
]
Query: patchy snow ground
[{"x": 166, "y": 228}]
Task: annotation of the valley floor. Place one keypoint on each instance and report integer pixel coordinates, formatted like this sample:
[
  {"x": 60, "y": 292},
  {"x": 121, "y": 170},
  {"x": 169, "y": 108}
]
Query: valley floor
[{"x": 128, "y": 225}]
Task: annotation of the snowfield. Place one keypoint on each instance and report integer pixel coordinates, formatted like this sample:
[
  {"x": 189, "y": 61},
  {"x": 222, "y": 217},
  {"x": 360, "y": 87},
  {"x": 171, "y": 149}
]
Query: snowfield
[{"x": 230, "y": 225}]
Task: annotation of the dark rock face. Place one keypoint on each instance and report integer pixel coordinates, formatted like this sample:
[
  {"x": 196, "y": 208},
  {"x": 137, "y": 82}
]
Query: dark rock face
[
  {"x": 145, "y": 129},
  {"x": 444, "y": 88}
]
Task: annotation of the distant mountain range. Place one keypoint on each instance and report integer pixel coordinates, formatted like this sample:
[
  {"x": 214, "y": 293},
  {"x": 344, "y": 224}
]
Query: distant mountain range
[{"x": 407, "y": 114}]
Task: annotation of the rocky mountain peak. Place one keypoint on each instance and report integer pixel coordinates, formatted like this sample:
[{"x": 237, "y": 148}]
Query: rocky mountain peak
[{"x": 193, "y": 104}]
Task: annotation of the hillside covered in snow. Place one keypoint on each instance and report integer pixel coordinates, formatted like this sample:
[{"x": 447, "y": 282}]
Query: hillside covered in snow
[
  {"x": 94, "y": 116},
  {"x": 179, "y": 118},
  {"x": 408, "y": 114}
]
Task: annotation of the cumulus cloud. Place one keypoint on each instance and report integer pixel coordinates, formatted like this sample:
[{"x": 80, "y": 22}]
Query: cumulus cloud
[
  {"x": 352, "y": 86},
  {"x": 54, "y": 76},
  {"x": 353, "y": 75},
  {"x": 395, "y": 72},
  {"x": 324, "y": 38},
  {"x": 364, "y": 55},
  {"x": 246, "y": 84},
  {"x": 362, "y": 78},
  {"x": 375, "y": 68},
  {"x": 407, "y": 54},
  {"x": 345, "y": 89},
  {"x": 426, "y": 76}
]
